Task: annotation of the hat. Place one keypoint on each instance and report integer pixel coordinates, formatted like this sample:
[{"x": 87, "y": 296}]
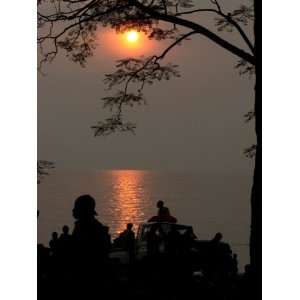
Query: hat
[{"x": 85, "y": 204}]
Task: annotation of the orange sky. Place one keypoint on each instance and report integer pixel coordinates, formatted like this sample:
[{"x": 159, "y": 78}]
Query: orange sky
[{"x": 117, "y": 44}]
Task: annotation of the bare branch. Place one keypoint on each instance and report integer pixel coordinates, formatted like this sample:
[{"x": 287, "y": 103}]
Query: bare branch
[
  {"x": 196, "y": 27},
  {"x": 77, "y": 38},
  {"x": 42, "y": 169},
  {"x": 188, "y": 12},
  {"x": 250, "y": 151},
  {"x": 185, "y": 36},
  {"x": 227, "y": 17}
]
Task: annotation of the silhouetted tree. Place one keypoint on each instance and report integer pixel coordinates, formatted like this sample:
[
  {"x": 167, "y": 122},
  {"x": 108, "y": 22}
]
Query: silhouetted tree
[
  {"x": 71, "y": 25},
  {"x": 42, "y": 169}
]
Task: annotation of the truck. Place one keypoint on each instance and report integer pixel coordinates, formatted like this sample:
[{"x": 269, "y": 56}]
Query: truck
[{"x": 202, "y": 254}]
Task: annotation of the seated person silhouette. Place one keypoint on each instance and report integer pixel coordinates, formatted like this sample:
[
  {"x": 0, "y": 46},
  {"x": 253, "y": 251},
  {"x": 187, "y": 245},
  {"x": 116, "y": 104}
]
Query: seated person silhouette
[
  {"x": 215, "y": 246},
  {"x": 163, "y": 214},
  {"x": 217, "y": 238},
  {"x": 219, "y": 245}
]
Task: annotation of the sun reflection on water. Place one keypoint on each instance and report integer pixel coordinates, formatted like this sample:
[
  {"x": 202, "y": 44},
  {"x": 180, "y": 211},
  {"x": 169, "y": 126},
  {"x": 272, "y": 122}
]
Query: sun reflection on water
[{"x": 128, "y": 197}]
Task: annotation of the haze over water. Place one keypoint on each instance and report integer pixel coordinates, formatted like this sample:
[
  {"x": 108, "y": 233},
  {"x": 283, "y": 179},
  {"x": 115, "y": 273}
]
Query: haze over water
[{"x": 209, "y": 202}]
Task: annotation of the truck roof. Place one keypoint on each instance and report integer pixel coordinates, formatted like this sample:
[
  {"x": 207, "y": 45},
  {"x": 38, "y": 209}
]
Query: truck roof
[{"x": 179, "y": 226}]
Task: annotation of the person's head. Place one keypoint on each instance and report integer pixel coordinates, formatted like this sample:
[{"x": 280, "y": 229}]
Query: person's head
[
  {"x": 54, "y": 235},
  {"x": 84, "y": 207},
  {"x": 218, "y": 237},
  {"x": 65, "y": 229},
  {"x": 160, "y": 204},
  {"x": 129, "y": 226}
]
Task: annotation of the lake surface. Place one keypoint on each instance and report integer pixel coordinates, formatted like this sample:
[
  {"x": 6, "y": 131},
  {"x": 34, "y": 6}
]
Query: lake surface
[{"x": 209, "y": 202}]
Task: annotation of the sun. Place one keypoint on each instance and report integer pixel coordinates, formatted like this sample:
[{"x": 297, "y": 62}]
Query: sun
[{"x": 132, "y": 36}]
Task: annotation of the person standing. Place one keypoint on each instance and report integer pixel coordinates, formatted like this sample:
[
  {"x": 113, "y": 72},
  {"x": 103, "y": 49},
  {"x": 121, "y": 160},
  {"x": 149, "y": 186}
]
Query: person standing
[
  {"x": 90, "y": 256},
  {"x": 128, "y": 241}
]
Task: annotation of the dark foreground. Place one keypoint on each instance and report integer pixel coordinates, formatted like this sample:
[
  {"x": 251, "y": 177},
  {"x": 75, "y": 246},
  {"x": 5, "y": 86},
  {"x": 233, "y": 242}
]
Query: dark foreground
[{"x": 165, "y": 261}]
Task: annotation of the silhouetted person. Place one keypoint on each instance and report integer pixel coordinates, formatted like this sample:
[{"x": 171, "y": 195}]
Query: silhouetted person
[
  {"x": 128, "y": 241},
  {"x": 220, "y": 258},
  {"x": 90, "y": 240},
  {"x": 89, "y": 234},
  {"x": 65, "y": 236},
  {"x": 217, "y": 238},
  {"x": 54, "y": 243},
  {"x": 163, "y": 214},
  {"x": 163, "y": 211},
  {"x": 65, "y": 246}
]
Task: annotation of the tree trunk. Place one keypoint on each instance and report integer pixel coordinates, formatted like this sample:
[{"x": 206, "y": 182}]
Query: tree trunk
[{"x": 256, "y": 195}]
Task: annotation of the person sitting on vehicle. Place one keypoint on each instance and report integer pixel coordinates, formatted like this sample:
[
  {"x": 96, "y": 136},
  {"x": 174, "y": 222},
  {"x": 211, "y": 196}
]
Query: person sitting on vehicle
[
  {"x": 162, "y": 209},
  {"x": 217, "y": 238},
  {"x": 163, "y": 214},
  {"x": 220, "y": 256}
]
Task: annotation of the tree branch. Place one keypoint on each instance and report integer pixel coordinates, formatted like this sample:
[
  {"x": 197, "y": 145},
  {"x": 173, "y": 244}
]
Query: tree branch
[
  {"x": 188, "y": 12},
  {"x": 175, "y": 43},
  {"x": 227, "y": 17},
  {"x": 196, "y": 27}
]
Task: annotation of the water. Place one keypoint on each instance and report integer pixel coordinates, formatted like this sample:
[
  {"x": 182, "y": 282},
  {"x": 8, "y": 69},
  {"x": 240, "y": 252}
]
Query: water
[{"x": 210, "y": 203}]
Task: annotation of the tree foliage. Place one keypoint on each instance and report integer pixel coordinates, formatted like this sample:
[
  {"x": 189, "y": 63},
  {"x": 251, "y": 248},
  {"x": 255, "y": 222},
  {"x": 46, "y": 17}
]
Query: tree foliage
[
  {"x": 43, "y": 167},
  {"x": 71, "y": 26}
]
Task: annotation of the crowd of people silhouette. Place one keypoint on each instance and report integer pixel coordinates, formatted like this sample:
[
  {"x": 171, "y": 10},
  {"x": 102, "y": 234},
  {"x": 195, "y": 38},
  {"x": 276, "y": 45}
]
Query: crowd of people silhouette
[{"x": 78, "y": 265}]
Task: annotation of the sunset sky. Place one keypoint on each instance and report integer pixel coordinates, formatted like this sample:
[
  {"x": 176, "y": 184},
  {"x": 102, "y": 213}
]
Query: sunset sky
[{"x": 190, "y": 123}]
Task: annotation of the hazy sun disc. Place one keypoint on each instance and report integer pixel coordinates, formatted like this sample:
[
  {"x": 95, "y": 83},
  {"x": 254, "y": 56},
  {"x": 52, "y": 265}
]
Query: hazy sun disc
[{"x": 132, "y": 36}]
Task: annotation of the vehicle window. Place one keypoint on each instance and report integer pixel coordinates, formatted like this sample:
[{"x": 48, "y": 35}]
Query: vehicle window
[
  {"x": 182, "y": 231},
  {"x": 165, "y": 228},
  {"x": 144, "y": 233}
]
